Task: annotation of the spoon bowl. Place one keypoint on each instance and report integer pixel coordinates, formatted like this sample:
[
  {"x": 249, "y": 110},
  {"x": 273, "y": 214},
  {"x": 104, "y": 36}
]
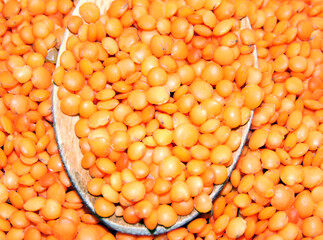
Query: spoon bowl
[{"x": 71, "y": 155}]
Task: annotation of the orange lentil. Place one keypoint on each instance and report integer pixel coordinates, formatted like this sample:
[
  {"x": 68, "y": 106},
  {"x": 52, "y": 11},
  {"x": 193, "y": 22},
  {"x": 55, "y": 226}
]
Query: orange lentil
[{"x": 287, "y": 36}]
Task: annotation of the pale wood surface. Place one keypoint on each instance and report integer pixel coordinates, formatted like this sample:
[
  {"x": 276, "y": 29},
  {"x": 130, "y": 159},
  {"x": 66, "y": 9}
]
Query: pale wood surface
[{"x": 68, "y": 144}]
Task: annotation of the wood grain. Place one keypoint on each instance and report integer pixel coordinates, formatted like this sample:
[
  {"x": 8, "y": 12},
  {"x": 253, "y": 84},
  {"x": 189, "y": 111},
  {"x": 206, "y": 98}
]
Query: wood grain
[{"x": 68, "y": 144}]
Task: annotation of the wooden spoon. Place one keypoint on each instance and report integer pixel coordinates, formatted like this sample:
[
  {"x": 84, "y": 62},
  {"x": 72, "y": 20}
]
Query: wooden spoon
[{"x": 68, "y": 145}]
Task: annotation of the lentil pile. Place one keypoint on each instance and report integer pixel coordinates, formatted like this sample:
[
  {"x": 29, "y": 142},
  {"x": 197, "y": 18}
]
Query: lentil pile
[{"x": 276, "y": 190}]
